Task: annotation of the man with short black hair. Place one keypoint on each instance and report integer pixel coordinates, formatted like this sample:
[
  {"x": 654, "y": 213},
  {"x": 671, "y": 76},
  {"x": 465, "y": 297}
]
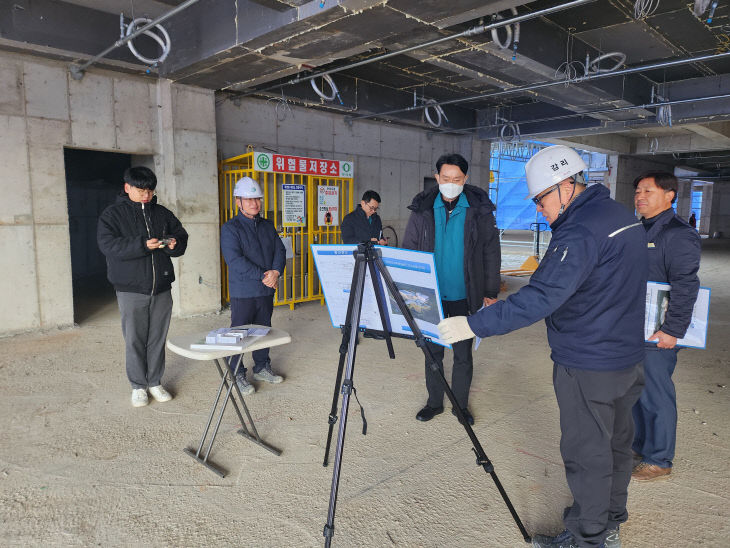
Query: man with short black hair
[
  {"x": 364, "y": 224},
  {"x": 138, "y": 236},
  {"x": 456, "y": 222},
  {"x": 674, "y": 258}
]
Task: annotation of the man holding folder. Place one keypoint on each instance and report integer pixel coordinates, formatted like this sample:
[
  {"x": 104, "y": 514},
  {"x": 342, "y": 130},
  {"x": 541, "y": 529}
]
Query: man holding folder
[{"x": 674, "y": 258}]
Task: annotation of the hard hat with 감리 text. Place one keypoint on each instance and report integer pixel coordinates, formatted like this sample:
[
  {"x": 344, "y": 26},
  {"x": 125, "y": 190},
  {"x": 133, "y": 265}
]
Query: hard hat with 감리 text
[{"x": 550, "y": 166}]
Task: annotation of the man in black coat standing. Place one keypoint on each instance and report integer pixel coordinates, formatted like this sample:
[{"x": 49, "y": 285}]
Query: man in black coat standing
[
  {"x": 138, "y": 236},
  {"x": 674, "y": 258},
  {"x": 456, "y": 222},
  {"x": 364, "y": 224}
]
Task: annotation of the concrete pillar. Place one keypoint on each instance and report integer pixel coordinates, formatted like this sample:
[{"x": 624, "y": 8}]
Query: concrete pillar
[
  {"x": 684, "y": 199},
  {"x": 705, "y": 223},
  {"x": 611, "y": 176},
  {"x": 718, "y": 208}
]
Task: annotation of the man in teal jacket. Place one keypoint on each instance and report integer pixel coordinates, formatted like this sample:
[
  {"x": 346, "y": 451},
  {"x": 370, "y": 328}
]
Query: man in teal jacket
[{"x": 456, "y": 222}]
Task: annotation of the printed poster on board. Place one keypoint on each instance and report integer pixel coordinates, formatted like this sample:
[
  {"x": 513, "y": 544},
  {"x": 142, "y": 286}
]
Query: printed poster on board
[
  {"x": 657, "y": 303},
  {"x": 414, "y": 275},
  {"x": 292, "y": 205},
  {"x": 328, "y": 204}
]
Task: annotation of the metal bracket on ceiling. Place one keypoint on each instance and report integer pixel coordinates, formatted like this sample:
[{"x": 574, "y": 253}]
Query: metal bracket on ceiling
[{"x": 78, "y": 71}]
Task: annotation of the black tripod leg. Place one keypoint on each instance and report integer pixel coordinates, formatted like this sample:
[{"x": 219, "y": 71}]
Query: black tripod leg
[
  {"x": 381, "y": 304},
  {"x": 482, "y": 459},
  {"x": 332, "y": 419},
  {"x": 346, "y": 329},
  {"x": 353, "y": 319}
]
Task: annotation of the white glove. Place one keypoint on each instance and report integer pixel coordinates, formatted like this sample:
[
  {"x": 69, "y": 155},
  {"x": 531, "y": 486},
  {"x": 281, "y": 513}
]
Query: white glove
[{"x": 455, "y": 329}]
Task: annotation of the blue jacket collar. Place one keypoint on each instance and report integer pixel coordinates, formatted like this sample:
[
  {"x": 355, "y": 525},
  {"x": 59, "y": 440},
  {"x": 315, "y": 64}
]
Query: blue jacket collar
[
  {"x": 592, "y": 192},
  {"x": 461, "y": 202},
  {"x": 660, "y": 221}
]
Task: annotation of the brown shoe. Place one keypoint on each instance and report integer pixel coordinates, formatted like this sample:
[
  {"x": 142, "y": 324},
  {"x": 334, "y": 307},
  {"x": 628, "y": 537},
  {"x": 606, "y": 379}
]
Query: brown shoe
[{"x": 650, "y": 472}]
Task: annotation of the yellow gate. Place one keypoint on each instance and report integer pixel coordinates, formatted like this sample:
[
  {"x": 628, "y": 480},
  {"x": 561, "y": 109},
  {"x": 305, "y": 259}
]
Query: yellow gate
[{"x": 305, "y": 198}]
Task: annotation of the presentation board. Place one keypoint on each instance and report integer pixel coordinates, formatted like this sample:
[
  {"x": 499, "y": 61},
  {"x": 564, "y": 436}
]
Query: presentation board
[
  {"x": 413, "y": 272},
  {"x": 657, "y": 301}
]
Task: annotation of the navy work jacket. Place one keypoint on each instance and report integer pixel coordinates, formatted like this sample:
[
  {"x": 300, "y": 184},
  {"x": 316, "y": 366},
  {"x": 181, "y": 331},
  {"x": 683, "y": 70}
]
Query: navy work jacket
[
  {"x": 590, "y": 287},
  {"x": 250, "y": 247}
]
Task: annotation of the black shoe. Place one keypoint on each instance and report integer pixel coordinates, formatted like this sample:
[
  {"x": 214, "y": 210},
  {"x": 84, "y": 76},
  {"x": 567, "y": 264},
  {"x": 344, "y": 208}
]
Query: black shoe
[
  {"x": 427, "y": 413},
  {"x": 376, "y": 336},
  {"x": 563, "y": 540},
  {"x": 468, "y": 416}
]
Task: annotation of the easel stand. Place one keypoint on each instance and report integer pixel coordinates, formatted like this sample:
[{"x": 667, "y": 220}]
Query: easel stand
[
  {"x": 367, "y": 257},
  {"x": 228, "y": 382}
]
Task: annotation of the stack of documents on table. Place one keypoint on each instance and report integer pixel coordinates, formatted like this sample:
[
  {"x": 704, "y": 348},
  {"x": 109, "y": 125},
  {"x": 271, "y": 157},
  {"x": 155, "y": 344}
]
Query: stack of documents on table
[{"x": 225, "y": 338}]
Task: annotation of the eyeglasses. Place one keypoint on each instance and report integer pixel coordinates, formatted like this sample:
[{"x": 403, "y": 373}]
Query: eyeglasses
[
  {"x": 371, "y": 208},
  {"x": 537, "y": 200}
]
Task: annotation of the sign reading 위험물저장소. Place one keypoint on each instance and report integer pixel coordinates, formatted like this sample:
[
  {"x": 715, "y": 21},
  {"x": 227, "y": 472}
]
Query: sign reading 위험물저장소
[{"x": 281, "y": 163}]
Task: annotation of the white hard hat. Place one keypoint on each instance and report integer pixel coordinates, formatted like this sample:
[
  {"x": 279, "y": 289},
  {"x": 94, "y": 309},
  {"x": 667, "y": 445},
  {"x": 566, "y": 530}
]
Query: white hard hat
[
  {"x": 550, "y": 166},
  {"x": 246, "y": 187}
]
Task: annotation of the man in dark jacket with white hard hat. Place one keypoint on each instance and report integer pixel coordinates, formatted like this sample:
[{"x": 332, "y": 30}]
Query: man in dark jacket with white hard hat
[
  {"x": 456, "y": 222},
  {"x": 590, "y": 288},
  {"x": 138, "y": 236},
  {"x": 256, "y": 257},
  {"x": 674, "y": 258}
]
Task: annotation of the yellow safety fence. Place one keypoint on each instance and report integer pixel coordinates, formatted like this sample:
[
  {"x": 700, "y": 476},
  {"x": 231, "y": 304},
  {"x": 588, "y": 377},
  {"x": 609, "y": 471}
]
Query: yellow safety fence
[{"x": 299, "y": 281}]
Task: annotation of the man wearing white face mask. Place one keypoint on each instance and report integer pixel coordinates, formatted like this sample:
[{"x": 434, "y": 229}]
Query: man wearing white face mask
[{"x": 455, "y": 221}]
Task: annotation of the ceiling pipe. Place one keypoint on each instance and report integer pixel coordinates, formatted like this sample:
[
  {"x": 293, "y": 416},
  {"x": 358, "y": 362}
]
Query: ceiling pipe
[
  {"x": 469, "y": 32},
  {"x": 586, "y": 113},
  {"x": 700, "y": 178},
  {"x": 550, "y": 83},
  {"x": 77, "y": 71}
]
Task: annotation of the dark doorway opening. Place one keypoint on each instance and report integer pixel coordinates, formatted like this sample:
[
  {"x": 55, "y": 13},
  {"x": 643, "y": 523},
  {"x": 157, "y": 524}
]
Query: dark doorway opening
[{"x": 93, "y": 181}]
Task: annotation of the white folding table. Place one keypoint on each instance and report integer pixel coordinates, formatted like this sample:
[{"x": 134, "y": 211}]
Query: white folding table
[{"x": 181, "y": 345}]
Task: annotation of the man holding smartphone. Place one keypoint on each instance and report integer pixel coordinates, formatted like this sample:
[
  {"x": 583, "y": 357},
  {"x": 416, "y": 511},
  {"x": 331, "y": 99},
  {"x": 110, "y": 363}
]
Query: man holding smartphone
[{"x": 138, "y": 237}]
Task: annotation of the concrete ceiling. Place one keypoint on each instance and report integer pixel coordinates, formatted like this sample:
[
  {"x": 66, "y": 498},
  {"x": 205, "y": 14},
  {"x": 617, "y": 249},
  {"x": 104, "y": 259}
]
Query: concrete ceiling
[{"x": 266, "y": 47}]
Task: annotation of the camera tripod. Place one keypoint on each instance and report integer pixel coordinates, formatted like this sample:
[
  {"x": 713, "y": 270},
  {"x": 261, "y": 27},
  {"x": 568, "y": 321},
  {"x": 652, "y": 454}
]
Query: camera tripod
[{"x": 366, "y": 256}]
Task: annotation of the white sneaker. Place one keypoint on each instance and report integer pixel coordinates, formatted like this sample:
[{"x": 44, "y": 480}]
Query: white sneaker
[
  {"x": 160, "y": 394},
  {"x": 139, "y": 397},
  {"x": 244, "y": 386},
  {"x": 267, "y": 375}
]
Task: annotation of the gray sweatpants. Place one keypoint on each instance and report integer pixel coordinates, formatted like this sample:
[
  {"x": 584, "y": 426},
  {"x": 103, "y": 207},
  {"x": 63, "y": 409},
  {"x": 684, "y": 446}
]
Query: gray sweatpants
[{"x": 145, "y": 320}]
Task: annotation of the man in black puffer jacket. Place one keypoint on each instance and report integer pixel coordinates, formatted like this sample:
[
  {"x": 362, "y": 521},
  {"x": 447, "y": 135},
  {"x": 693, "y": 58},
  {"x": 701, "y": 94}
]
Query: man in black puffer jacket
[
  {"x": 455, "y": 221},
  {"x": 138, "y": 237}
]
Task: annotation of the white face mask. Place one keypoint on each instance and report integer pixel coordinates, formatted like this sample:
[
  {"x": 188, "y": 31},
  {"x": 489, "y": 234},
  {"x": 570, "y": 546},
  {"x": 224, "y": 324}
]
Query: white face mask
[{"x": 450, "y": 190}]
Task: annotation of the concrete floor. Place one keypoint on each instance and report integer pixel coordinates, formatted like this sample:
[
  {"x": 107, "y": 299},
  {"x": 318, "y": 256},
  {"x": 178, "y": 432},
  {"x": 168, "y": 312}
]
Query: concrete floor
[{"x": 80, "y": 467}]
